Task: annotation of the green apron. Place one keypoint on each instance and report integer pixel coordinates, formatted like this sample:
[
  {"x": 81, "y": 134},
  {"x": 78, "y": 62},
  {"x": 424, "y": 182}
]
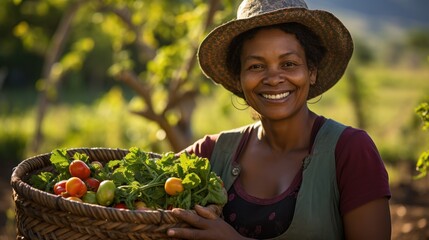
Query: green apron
[{"x": 317, "y": 214}]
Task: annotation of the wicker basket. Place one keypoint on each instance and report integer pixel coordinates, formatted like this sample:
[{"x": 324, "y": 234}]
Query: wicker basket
[{"x": 41, "y": 215}]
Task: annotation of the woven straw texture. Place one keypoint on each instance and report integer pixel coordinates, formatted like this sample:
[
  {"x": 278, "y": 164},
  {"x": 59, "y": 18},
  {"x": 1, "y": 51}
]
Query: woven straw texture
[{"x": 41, "y": 215}]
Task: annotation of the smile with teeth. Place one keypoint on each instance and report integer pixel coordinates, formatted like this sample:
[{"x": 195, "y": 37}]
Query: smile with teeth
[{"x": 276, "y": 96}]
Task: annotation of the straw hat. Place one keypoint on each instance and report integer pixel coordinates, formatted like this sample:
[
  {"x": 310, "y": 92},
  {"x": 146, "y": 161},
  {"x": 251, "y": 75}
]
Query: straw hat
[{"x": 212, "y": 54}]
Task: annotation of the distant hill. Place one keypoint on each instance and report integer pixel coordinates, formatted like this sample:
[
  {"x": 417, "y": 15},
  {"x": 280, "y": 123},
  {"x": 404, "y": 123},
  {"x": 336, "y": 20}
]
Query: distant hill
[{"x": 372, "y": 16}]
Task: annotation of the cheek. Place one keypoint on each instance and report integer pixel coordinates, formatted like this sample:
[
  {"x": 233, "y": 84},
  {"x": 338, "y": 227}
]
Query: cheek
[{"x": 248, "y": 81}]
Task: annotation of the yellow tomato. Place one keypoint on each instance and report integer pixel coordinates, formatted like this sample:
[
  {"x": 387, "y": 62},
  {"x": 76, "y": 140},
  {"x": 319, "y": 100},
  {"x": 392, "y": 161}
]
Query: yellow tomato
[{"x": 173, "y": 186}]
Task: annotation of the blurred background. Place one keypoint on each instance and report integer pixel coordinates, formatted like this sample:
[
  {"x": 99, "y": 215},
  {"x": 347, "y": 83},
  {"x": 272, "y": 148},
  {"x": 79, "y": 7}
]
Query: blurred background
[{"x": 124, "y": 73}]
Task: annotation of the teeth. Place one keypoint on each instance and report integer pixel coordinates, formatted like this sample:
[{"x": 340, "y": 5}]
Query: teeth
[{"x": 276, "y": 96}]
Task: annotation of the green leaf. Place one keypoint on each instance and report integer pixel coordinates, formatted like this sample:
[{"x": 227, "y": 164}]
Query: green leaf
[
  {"x": 216, "y": 192},
  {"x": 42, "y": 180},
  {"x": 422, "y": 164},
  {"x": 122, "y": 176},
  {"x": 111, "y": 165},
  {"x": 423, "y": 112},
  {"x": 191, "y": 181},
  {"x": 60, "y": 160},
  {"x": 81, "y": 156},
  {"x": 167, "y": 161}
]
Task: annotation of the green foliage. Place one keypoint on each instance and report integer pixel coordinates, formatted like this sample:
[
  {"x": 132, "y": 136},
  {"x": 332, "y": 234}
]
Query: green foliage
[
  {"x": 423, "y": 165},
  {"x": 423, "y": 162},
  {"x": 46, "y": 180},
  {"x": 423, "y": 112},
  {"x": 140, "y": 177},
  {"x": 156, "y": 40}
]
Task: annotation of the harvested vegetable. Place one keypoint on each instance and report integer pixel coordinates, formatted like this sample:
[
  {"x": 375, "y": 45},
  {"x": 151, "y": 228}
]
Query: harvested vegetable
[{"x": 140, "y": 178}]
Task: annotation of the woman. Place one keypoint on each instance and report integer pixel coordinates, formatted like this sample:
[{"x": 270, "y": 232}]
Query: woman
[{"x": 293, "y": 174}]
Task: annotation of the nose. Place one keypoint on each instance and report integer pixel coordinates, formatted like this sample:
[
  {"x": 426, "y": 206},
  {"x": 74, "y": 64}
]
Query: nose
[{"x": 273, "y": 77}]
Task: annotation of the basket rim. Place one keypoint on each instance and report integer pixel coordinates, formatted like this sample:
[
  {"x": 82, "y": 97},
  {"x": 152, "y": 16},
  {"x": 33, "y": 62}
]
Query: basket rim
[{"x": 46, "y": 199}]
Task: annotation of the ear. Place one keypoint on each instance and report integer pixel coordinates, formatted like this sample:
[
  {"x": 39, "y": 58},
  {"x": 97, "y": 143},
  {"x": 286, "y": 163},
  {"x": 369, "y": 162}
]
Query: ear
[{"x": 313, "y": 76}]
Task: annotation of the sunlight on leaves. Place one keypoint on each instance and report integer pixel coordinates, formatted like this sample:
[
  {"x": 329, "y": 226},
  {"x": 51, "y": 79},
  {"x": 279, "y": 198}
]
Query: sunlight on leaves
[
  {"x": 21, "y": 29},
  {"x": 122, "y": 62},
  {"x": 84, "y": 45},
  {"x": 136, "y": 104},
  {"x": 423, "y": 112},
  {"x": 422, "y": 164}
]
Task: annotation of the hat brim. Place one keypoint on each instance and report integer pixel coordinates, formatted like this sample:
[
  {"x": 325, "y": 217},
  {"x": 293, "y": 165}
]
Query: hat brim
[{"x": 335, "y": 37}]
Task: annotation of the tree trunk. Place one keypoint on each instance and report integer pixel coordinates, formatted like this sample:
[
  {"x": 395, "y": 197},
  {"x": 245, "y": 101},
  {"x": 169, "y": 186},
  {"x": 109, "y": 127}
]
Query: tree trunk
[
  {"x": 179, "y": 135},
  {"x": 357, "y": 98}
]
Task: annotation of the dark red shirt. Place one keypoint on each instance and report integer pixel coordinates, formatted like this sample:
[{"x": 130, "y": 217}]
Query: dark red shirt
[{"x": 360, "y": 171}]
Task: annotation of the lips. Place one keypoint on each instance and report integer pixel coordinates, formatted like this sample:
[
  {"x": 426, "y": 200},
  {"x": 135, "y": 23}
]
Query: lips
[{"x": 276, "y": 96}]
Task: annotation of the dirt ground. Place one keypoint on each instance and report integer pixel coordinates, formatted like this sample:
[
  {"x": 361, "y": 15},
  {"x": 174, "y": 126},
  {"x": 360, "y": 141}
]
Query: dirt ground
[{"x": 409, "y": 210}]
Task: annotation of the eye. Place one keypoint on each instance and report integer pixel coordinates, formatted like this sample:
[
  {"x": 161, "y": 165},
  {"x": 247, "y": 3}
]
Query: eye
[
  {"x": 256, "y": 67},
  {"x": 288, "y": 64}
]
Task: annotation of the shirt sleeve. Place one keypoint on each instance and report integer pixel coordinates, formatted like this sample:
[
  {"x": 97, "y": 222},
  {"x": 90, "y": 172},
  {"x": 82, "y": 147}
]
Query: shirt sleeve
[
  {"x": 203, "y": 147},
  {"x": 361, "y": 173}
]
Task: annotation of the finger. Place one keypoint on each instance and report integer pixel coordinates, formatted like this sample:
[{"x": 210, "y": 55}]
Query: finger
[
  {"x": 208, "y": 212},
  {"x": 216, "y": 209},
  {"x": 183, "y": 233},
  {"x": 189, "y": 217}
]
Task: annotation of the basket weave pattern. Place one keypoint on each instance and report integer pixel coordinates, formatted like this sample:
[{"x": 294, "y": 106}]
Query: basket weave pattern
[{"x": 41, "y": 215}]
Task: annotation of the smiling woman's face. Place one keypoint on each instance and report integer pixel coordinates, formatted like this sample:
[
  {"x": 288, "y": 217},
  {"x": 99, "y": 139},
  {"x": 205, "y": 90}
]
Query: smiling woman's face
[{"x": 274, "y": 76}]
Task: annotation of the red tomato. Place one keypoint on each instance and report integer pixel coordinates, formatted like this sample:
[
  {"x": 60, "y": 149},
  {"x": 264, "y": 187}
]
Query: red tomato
[
  {"x": 60, "y": 187},
  {"x": 78, "y": 168},
  {"x": 121, "y": 206},
  {"x": 92, "y": 184},
  {"x": 75, "y": 187},
  {"x": 173, "y": 186}
]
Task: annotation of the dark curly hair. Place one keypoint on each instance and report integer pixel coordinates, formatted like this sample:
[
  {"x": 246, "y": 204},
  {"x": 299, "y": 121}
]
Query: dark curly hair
[{"x": 313, "y": 48}]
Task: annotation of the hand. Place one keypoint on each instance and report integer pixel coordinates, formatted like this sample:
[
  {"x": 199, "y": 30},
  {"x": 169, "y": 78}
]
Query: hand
[{"x": 207, "y": 225}]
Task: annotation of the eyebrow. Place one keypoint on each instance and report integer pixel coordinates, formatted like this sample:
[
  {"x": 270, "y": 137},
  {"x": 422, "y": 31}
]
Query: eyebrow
[{"x": 256, "y": 57}]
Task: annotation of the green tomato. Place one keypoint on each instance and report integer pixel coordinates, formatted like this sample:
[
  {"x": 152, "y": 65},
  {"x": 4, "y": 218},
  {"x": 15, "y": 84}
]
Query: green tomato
[
  {"x": 106, "y": 193},
  {"x": 90, "y": 197}
]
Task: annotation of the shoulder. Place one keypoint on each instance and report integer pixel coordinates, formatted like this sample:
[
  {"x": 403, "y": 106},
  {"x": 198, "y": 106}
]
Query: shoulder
[
  {"x": 354, "y": 138},
  {"x": 356, "y": 148},
  {"x": 204, "y": 146},
  {"x": 361, "y": 173}
]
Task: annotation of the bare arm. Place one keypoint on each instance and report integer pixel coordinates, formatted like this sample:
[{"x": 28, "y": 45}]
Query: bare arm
[{"x": 370, "y": 221}]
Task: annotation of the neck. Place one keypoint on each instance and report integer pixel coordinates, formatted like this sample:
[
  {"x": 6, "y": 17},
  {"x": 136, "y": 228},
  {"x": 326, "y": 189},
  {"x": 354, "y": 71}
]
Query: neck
[{"x": 288, "y": 134}]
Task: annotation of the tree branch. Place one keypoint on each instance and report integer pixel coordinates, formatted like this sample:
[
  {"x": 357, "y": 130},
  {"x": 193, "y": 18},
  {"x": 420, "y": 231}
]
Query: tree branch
[
  {"x": 178, "y": 80},
  {"x": 145, "y": 51},
  {"x": 133, "y": 81}
]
